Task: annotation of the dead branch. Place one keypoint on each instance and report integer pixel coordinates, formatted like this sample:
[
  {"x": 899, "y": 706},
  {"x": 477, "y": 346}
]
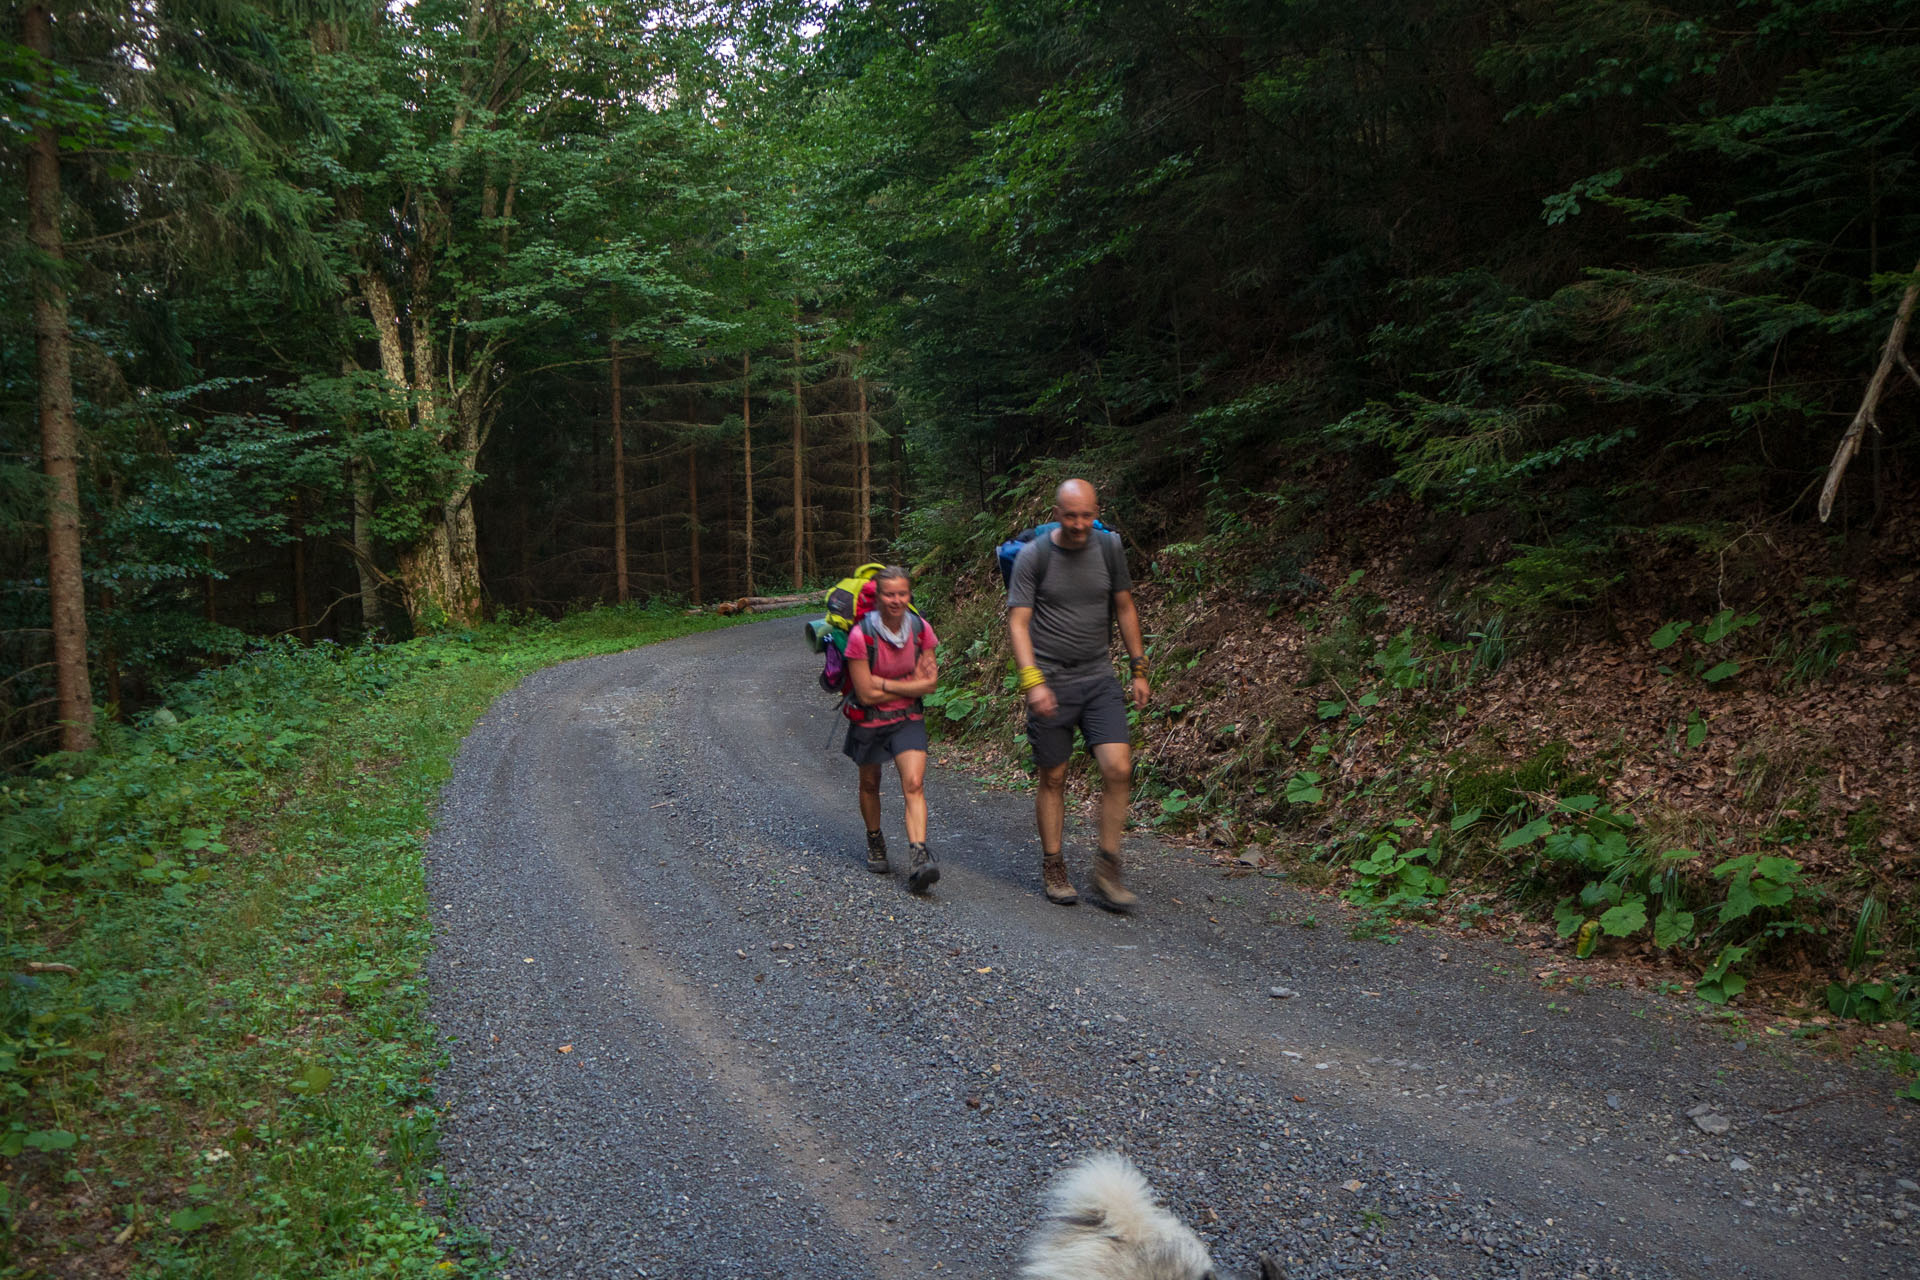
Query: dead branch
[
  {"x": 1905, "y": 364},
  {"x": 1892, "y": 354},
  {"x": 761, "y": 604}
]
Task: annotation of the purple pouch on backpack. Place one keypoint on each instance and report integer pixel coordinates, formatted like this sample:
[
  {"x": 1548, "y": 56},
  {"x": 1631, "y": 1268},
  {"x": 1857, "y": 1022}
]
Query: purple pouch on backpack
[{"x": 833, "y": 672}]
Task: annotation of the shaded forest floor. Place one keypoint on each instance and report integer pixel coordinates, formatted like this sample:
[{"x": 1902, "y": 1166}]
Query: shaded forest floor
[{"x": 1705, "y": 778}]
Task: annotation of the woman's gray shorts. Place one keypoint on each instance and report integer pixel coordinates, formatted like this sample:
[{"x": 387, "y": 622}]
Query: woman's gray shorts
[{"x": 877, "y": 746}]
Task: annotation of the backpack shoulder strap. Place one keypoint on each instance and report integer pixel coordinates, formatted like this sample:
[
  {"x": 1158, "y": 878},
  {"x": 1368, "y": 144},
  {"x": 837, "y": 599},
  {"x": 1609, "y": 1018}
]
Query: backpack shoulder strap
[
  {"x": 1042, "y": 557},
  {"x": 916, "y": 627},
  {"x": 1116, "y": 563}
]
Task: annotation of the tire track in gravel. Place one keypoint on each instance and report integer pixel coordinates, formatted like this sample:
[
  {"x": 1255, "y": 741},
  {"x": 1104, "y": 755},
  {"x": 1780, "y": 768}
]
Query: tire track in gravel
[
  {"x": 675, "y": 1006},
  {"x": 664, "y": 1046},
  {"x": 780, "y": 1060}
]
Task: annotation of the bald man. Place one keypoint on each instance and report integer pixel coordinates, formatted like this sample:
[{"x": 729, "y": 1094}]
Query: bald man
[{"x": 1068, "y": 589}]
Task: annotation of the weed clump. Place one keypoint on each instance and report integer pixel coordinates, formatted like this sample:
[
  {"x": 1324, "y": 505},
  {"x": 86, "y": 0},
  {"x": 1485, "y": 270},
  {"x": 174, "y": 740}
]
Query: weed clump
[
  {"x": 1491, "y": 786},
  {"x": 1341, "y": 654}
]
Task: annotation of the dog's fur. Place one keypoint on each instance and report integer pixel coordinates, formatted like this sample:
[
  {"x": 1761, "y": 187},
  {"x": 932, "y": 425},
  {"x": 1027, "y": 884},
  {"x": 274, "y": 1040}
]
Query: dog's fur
[{"x": 1102, "y": 1222}]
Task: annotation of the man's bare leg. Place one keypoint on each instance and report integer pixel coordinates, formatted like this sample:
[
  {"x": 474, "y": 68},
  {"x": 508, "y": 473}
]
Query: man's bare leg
[
  {"x": 1116, "y": 790},
  {"x": 1050, "y": 816}
]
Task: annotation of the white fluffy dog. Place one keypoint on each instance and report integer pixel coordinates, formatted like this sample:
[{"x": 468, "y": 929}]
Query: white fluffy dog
[{"x": 1102, "y": 1222}]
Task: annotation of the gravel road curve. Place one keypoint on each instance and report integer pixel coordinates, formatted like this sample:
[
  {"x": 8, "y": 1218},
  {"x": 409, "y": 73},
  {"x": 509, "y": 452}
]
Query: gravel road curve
[{"x": 692, "y": 1036}]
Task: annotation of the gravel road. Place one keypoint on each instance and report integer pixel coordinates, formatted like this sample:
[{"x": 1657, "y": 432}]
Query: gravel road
[{"x": 692, "y": 1036}]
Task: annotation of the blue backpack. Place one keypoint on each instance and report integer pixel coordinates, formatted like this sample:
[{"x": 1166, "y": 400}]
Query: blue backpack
[{"x": 1009, "y": 551}]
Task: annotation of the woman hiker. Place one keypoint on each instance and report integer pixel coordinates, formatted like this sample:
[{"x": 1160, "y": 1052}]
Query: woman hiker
[{"x": 891, "y": 666}]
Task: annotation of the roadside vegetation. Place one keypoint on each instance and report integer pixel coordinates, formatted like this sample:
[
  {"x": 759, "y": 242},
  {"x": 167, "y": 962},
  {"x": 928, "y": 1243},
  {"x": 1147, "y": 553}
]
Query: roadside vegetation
[
  {"x": 1696, "y": 775},
  {"x": 215, "y": 1054}
]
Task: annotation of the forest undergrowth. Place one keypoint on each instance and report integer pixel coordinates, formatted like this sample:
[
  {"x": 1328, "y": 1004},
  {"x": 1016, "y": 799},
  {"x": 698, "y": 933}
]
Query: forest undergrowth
[
  {"x": 1690, "y": 767},
  {"x": 215, "y": 1059}
]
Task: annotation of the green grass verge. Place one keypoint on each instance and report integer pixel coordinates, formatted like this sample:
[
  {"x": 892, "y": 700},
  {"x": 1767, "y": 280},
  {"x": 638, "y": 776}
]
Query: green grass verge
[{"x": 235, "y": 1077}]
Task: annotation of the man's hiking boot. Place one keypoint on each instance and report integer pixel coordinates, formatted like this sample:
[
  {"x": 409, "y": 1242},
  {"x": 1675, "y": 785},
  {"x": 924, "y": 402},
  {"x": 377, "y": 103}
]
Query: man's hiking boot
[
  {"x": 877, "y": 852},
  {"x": 1053, "y": 877},
  {"x": 1109, "y": 890},
  {"x": 922, "y": 869}
]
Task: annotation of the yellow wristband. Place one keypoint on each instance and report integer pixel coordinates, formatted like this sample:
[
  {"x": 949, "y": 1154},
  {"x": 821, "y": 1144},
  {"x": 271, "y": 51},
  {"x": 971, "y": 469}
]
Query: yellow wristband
[
  {"x": 1139, "y": 667},
  {"x": 1031, "y": 678}
]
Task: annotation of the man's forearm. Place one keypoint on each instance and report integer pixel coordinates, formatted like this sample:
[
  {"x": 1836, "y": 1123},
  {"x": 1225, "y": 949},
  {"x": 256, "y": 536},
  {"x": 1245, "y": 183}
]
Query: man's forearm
[
  {"x": 1129, "y": 619},
  {"x": 1028, "y": 678},
  {"x": 1018, "y": 623}
]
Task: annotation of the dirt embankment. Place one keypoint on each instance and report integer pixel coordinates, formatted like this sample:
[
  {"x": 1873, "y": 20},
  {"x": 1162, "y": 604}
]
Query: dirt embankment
[{"x": 1751, "y": 696}]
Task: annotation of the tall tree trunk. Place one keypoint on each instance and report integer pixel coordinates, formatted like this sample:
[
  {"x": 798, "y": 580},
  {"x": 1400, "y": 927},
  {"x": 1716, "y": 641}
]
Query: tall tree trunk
[
  {"x": 659, "y": 504},
  {"x": 302, "y": 614},
  {"x": 439, "y": 574},
  {"x": 362, "y": 479},
  {"x": 302, "y": 617},
  {"x": 360, "y": 484},
  {"x": 813, "y": 521},
  {"x": 425, "y": 573},
  {"x": 456, "y": 419},
  {"x": 423, "y": 569},
  {"x": 746, "y": 439},
  {"x": 799, "y": 457},
  {"x": 378, "y": 296},
  {"x": 693, "y": 519},
  {"x": 59, "y": 433},
  {"x": 895, "y": 473},
  {"x": 620, "y": 590},
  {"x": 110, "y": 662},
  {"x": 463, "y": 552},
  {"x": 863, "y": 460},
  {"x": 207, "y": 601}
]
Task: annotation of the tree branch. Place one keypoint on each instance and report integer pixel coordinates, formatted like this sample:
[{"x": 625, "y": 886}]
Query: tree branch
[
  {"x": 1904, "y": 364},
  {"x": 137, "y": 228},
  {"x": 1890, "y": 354}
]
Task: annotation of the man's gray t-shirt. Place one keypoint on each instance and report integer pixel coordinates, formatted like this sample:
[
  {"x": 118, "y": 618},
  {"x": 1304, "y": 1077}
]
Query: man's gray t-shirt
[{"x": 1072, "y": 615}]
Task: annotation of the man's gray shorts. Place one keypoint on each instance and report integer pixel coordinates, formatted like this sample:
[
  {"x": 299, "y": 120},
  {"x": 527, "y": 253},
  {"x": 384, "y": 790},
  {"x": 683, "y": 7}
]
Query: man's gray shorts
[{"x": 1096, "y": 707}]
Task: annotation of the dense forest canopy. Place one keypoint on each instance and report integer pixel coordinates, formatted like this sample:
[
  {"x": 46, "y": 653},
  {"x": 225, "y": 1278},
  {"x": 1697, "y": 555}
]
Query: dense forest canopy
[
  {"x": 344, "y": 318},
  {"x": 1508, "y": 410}
]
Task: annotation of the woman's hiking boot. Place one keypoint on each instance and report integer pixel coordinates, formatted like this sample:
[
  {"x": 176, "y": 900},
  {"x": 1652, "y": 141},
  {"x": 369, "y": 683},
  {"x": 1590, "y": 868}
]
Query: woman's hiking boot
[
  {"x": 922, "y": 868},
  {"x": 1109, "y": 890},
  {"x": 1053, "y": 878},
  {"x": 877, "y": 852}
]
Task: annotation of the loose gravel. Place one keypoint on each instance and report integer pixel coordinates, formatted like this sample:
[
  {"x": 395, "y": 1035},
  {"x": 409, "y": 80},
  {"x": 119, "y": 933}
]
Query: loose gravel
[{"x": 692, "y": 1036}]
